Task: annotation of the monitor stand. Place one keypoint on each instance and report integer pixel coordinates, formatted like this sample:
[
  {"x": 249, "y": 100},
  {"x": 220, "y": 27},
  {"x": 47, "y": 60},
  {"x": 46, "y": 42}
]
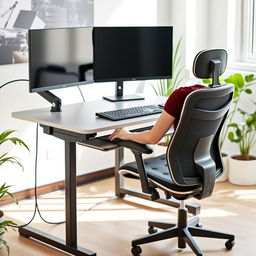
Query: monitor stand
[{"x": 119, "y": 94}]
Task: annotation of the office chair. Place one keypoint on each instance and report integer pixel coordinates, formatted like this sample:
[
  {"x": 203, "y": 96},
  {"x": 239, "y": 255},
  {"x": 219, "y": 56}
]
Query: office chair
[{"x": 192, "y": 161}]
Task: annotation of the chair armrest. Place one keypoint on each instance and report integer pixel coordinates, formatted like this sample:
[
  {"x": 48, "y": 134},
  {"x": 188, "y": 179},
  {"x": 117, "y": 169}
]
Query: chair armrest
[{"x": 141, "y": 148}]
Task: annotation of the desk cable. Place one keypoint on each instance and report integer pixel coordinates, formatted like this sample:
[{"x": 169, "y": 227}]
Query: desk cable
[
  {"x": 82, "y": 95},
  {"x": 36, "y": 207},
  {"x": 13, "y": 81}
]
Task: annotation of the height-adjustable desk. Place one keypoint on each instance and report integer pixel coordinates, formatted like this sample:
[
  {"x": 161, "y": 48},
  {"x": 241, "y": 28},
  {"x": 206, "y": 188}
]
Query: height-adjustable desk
[{"x": 77, "y": 123}]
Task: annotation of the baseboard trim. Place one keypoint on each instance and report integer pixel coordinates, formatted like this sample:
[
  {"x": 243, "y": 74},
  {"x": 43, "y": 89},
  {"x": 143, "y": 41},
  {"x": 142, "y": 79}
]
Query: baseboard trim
[{"x": 59, "y": 185}]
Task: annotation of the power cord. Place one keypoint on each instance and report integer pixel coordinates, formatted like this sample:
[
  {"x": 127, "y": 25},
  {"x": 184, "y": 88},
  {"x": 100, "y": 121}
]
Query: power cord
[
  {"x": 13, "y": 81},
  {"x": 36, "y": 208},
  {"x": 81, "y": 93}
]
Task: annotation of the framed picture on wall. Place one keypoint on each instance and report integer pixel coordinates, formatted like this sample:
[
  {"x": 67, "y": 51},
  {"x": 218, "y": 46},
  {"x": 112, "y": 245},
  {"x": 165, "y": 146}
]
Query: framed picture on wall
[{"x": 17, "y": 17}]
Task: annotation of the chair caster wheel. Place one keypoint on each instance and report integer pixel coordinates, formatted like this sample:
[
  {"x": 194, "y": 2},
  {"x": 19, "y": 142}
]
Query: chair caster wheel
[
  {"x": 152, "y": 230},
  {"x": 229, "y": 244},
  {"x": 136, "y": 250}
]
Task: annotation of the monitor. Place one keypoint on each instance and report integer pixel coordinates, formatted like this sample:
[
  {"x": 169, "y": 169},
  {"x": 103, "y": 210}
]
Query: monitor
[
  {"x": 131, "y": 53},
  {"x": 60, "y": 57},
  {"x": 25, "y": 19}
]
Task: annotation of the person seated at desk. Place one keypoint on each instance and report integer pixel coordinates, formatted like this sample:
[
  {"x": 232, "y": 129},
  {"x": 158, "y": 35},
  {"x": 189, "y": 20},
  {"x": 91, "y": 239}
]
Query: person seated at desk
[{"x": 169, "y": 116}]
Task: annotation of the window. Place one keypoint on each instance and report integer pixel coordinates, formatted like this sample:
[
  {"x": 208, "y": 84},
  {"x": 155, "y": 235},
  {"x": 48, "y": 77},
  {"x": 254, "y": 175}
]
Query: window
[
  {"x": 248, "y": 31},
  {"x": 254, "y": 28}
]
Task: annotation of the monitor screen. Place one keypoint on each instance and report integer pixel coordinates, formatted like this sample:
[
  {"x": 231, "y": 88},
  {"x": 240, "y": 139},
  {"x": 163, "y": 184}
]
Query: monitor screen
[
  {"x": 132, "y": 53},
  {"x": 25, "y": 19},
  {"x": 60, "y": 57}
]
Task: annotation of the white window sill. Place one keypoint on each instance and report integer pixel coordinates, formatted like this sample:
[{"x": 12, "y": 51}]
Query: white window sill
[{"x": 242, "y": 66}]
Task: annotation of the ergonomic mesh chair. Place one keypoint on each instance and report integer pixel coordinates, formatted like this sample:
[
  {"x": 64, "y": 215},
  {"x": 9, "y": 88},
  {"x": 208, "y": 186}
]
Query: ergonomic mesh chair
[{"x": 192, "y": 161}]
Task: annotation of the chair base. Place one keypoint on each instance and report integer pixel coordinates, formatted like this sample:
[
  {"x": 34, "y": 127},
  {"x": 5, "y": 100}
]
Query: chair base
[{"x": 184, "y": 231}]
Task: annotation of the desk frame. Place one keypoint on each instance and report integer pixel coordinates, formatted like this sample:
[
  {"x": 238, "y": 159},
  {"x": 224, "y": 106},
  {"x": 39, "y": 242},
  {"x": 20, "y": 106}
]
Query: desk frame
[{"x": 70, "y": 244}]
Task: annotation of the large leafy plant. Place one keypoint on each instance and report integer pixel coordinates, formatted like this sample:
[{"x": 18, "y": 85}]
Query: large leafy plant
[
  {"x": 6, "y": 137},
  {"x": 242, "y": 85}
]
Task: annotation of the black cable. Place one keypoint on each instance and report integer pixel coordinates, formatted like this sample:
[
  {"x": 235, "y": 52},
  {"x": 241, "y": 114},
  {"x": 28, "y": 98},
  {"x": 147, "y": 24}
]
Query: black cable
[
  {"x": 101, "y": 202},
  {"x": 12, "y": 81},
  {"x": 35, "y": 190},
  {"x": 81, "y": 93},
  {"x": 36, "y": 209}
]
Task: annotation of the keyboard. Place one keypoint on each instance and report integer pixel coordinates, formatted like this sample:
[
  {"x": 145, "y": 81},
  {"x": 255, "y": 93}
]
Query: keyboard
[{"x": 126, "y": 113}]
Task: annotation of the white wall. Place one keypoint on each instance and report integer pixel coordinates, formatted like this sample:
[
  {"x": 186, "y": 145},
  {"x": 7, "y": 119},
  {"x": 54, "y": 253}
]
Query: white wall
[{"x": 15, "y": 97}]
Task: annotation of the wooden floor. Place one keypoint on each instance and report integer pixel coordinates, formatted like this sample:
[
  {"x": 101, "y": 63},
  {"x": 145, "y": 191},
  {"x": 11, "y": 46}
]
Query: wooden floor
[{"x": 109, "y": 228}]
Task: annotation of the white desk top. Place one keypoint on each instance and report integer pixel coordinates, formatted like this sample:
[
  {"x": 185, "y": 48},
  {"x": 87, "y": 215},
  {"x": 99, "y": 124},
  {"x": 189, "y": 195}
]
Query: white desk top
[{"x": 80, "y": 117}]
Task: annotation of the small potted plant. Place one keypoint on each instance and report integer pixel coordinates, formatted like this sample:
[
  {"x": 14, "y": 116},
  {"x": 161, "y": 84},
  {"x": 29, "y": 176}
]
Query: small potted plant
[
  {"x": 5, "y": 137},
  {"x": 242, "y": 167}
]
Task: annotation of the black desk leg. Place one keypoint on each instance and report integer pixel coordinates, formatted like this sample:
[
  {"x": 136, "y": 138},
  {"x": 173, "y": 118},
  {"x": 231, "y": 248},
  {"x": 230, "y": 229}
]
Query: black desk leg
[
  {"x": 119, "y": 179},
  {"x": 70, "y": 193},
  {"x": 70, "y": 245}
]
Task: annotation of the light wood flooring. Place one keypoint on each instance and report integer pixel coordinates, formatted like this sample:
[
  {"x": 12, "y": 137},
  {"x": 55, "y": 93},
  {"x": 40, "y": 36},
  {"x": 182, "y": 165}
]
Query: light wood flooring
[{"x": 109, "y": 228}]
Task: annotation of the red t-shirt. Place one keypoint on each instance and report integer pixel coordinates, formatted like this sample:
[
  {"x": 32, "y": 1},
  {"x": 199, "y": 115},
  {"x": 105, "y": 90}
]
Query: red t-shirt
[{"x": 174, "y": 103}]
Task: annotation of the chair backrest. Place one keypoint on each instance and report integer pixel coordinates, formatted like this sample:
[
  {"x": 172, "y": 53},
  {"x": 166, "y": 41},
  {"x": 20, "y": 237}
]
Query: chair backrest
[{"x": 193, "y": 154}]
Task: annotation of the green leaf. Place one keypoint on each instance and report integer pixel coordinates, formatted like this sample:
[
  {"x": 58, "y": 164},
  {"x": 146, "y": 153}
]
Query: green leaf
[
  {"x": 248, "y": 91},
  {"x": 207, "y": 81},
  {"x": 4, "y": 135},
  {"x": 237, "y": 80},
  {"x": 233, "y": 125},
  {"x": 231, "y": 137},
  {"x": 249, "y": 78},
  {"x": 243, "y": 112}
]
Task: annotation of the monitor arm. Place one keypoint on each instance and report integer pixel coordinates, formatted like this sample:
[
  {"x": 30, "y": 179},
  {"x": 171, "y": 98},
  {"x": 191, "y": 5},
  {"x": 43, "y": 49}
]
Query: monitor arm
[{"x": 53, "y": 99}]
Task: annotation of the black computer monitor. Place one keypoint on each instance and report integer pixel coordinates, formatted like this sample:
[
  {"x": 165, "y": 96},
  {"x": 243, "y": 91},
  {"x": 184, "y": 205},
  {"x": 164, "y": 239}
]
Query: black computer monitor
[
  {"x": 131, "y": 53},
  {"x": 25, "y": 19},
  {"x": 63, "y": 57},
  {"x": 60, "y": 57}
]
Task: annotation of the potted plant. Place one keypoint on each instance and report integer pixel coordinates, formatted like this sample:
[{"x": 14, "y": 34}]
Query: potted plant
[
  {"x": 242, "y": 85},
  {"x": 243, "y": 166},
  {"x": 6, "y": 137},
  {"x": 164, "y": 87}
]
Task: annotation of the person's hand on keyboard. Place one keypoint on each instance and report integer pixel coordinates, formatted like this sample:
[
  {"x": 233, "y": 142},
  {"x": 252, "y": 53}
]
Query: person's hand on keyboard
[{"x": 122, "y": 134}]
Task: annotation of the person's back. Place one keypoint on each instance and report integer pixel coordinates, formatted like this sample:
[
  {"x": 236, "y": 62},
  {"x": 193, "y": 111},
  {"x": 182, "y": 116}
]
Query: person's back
[{"x": 174, "y": 103}]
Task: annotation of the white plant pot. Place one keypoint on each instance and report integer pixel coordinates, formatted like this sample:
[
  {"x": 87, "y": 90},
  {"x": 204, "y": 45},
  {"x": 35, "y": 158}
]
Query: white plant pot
[
  {"x": 242, "y": 172},
  {"x": 1, "y": 229},
  {"x": 225, "y": 160}
]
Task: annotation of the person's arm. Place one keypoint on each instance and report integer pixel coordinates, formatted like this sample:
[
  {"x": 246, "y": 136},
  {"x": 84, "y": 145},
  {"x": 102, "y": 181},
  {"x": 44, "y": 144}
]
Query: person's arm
[{"x": 152, "y": 136}]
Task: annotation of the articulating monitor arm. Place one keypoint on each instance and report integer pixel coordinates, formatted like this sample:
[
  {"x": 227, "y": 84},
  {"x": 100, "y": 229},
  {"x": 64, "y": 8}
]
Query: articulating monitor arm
[{"x": 53, "y": 99}]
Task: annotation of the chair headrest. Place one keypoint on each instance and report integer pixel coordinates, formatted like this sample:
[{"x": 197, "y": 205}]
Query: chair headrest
[{"x": 210, "y": 64}]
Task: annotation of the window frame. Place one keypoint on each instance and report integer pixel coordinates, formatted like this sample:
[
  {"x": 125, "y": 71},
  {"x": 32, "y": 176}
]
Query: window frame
[
  {"x": 237, "y": 39},
  {"x": 248, "y": 31}
]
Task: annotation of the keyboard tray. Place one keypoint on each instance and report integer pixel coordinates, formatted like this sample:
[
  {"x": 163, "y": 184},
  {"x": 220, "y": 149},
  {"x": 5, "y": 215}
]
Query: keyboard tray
[
  {"x": 99, "y": 144},
  {"x": 104, "y": 144}
]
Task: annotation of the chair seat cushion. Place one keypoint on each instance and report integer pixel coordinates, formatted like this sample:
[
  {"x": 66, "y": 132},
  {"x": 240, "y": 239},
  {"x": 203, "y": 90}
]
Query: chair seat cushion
[{"x": 157, "y": 170}]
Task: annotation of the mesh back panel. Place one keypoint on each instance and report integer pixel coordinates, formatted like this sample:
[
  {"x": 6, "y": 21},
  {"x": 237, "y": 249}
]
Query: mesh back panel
[{"x": 202, "y": 116}]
